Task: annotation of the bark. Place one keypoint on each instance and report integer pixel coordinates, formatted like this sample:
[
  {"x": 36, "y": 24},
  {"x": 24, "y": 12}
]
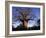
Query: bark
[{"x": 25, "y": 23}]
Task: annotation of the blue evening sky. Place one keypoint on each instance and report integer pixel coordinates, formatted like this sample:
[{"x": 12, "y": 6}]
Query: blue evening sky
[{"x": 15, "y": 12}]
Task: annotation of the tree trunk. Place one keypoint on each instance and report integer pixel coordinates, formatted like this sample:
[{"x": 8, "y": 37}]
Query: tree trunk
[{"x": 25, "y": 23}]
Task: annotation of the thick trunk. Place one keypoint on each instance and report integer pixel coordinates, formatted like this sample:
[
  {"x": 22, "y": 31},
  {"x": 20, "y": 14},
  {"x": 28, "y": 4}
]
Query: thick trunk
[{"x": 25, "y": 23}]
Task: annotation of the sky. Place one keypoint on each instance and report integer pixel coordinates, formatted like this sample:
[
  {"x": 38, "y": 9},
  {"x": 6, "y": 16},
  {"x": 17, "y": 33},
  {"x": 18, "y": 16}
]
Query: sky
[{"x": 31, "y": 23}]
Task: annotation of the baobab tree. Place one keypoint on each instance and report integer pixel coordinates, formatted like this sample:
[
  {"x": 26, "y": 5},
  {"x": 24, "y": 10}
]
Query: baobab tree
[{"x": 25, "y": 16}]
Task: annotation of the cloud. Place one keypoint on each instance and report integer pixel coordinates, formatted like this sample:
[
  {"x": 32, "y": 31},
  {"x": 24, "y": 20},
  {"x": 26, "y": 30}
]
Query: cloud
[
  {"x": 32, "y": 23},
  {"x": 17, "y": 23}
]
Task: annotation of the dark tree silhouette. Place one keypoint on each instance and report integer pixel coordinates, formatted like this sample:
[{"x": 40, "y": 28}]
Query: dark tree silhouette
[
  {"x": 25, "y": 16},
  {"x": 38, "y": 21}
]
